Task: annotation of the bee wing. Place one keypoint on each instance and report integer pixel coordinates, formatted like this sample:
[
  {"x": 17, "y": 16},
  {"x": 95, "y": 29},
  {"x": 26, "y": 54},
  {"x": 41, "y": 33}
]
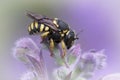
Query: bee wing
[
  {"x": 50, "y": 24},
  {"x": 42, "y": 19},
  {"x": 35, "y": 16}
]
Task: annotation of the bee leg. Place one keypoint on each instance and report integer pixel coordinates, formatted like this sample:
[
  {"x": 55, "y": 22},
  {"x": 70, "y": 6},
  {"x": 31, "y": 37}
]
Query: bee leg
[
  {"x": 51, "y": 47},
  {"x": 63, "y": 48},
  {"x": 43, "y": 35}
]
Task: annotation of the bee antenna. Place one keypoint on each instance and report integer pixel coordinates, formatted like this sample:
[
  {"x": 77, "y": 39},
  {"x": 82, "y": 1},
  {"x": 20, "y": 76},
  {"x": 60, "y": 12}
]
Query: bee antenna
[
  {"x": 79, "y": 32},
  {"x": 76, "y": 38}
]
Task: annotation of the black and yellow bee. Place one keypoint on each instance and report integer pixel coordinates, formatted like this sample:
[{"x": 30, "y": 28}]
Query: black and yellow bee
[{"x": 54, "y": 30}]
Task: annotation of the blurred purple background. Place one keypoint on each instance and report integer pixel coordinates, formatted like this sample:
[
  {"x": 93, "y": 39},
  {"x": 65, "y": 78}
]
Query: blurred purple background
[{"x": 99, "y": 20}]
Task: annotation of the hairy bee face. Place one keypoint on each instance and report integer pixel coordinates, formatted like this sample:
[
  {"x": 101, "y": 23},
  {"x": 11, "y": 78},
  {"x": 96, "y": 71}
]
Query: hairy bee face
[{"x": 69, "y": 39}]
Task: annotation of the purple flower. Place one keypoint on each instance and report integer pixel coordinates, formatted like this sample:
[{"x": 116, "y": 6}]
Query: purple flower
[
  {"x": 28, "y": 52},
  {"x": 74, "y": 66},
  {"x": 100, "y": 59},
  {"x": 29, "y": 75},
  {"x": 90, "y": 61},
  {"x": 75, "y": 50},
  {"x": 23, "y": 47}
]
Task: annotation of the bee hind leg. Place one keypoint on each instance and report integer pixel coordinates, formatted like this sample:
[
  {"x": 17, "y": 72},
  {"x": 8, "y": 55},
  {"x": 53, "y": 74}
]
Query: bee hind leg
[
  {"x": 63, "y": 49},
  {"x": 51, "y": 47}
]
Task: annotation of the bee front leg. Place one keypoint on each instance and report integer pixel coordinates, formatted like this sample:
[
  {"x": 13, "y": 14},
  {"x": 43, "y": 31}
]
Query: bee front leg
[
  {"x": 51, "y": 47},
  {"x": 63, "y": 48}
]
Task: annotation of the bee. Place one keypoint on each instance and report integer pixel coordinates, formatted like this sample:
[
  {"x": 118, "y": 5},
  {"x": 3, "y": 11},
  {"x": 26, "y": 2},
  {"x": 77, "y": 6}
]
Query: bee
[{"x": 53, "y": 30}]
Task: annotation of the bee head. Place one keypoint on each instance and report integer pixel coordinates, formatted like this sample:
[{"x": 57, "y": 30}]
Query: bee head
[{"x": 70, "y": 38}]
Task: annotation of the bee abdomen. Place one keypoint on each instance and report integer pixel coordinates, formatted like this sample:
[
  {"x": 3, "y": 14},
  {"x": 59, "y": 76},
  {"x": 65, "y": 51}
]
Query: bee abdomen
[{"x": 36, "y": 27}]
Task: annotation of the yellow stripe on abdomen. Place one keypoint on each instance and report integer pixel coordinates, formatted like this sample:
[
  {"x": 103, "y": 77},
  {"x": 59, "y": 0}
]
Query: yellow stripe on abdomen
[
  {"x": 41, "y": 27},
  {"x": 32, "y": 25},
  {"x": 36, "y": 24}
]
